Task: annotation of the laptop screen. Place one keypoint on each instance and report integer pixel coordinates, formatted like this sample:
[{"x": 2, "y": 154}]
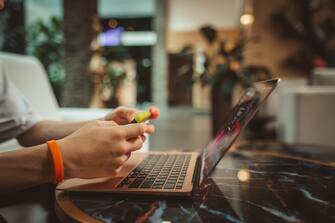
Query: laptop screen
[{"x": 238, "y": 118}]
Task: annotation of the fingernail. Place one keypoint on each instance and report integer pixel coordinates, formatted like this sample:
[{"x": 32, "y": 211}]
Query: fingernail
[
  {"x": 150, "y": 128},
  {"x": 131, "y": 117}
]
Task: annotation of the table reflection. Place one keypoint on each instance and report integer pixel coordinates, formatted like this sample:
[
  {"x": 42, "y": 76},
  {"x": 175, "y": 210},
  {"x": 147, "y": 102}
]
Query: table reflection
[{"x": 248, "y": 185}]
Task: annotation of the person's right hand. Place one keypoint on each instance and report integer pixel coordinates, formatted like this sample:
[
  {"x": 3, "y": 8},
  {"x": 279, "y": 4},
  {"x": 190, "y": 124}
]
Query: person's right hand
[{"x": 100, "y": 148}]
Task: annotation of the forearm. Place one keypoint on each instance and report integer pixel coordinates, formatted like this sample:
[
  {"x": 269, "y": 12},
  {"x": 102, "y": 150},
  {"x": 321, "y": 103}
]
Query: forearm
[
  {"x": 47, "y": 130},
  {"x": 25, "y": 168}
]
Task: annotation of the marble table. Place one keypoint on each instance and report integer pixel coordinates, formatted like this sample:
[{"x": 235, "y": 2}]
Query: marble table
[{"x": 259, "y": 182}]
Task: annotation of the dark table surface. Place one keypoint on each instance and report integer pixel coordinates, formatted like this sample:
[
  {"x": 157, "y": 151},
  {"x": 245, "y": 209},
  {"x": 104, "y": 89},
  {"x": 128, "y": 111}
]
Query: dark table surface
[{"x": 258, "y": 182}]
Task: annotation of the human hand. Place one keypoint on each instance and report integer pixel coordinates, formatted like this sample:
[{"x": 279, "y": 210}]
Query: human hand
[
  {"x": 100, "y": 148},
  {"x": 123, "y": 115}
]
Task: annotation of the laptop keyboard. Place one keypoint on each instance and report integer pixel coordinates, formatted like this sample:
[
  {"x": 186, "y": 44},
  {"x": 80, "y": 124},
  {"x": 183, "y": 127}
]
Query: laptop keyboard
[{"x": 159, "y": 171}]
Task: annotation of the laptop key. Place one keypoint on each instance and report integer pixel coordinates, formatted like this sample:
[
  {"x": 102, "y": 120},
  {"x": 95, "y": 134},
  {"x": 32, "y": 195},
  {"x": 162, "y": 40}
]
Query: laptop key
[
  {"x": 136, "y": 183},
  {"x": 171, "y": 182},
  {"x": 169, "y": 186},
  {"x": 147, "y": 184}
]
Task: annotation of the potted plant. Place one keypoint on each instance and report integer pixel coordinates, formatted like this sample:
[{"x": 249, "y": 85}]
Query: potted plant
[
  {"x": 224, "y": 70},
  {"x": 46, "y": 42}
]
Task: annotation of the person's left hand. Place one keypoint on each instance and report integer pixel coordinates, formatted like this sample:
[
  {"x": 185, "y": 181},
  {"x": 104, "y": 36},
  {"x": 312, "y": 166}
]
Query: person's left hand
[{"x": 124, "y": 115}]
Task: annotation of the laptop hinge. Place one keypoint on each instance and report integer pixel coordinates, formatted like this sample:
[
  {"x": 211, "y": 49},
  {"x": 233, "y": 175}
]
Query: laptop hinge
[{"x": 196, "y": 175}]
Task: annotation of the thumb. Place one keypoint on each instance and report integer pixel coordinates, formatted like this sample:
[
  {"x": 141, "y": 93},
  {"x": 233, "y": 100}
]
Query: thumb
[
  {"x": 130, "y": 115},
  {"x": 126, "y": 113}
]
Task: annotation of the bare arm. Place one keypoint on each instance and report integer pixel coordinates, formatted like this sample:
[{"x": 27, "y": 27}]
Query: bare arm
[
  {"x": 44, "y": 131},
  {"x": 84, "y": 156},
  {"x": 24, "y": 168},
  {"x": 47, "y": 130}
]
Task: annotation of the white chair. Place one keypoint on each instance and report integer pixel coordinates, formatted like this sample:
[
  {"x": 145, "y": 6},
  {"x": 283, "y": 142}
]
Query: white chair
[
  {"x": 306, "y": 115},
  {"x": 324, "y": 76},
  {"x": 29, "y": 76},
  {"x": 273, "y": 102}
]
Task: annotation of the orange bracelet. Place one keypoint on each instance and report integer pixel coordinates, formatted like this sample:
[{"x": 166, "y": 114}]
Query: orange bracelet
[{"x": 57, "y": 160}]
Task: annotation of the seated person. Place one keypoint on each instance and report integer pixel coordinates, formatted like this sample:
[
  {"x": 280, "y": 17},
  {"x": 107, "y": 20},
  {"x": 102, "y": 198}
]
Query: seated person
[{"x": 89, "y": 149}]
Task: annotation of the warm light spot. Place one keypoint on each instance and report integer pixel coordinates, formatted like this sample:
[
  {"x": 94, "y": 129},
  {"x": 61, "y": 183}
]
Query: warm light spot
[
  {"x": 247, "y": 19},
  {"x": 243, "y": 175},
  {"x": 112, "y": 23}
]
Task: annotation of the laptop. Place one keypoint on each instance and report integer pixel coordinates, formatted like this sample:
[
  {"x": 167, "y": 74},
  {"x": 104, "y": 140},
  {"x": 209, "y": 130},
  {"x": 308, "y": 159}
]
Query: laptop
[{"x": 178, "y": 173}]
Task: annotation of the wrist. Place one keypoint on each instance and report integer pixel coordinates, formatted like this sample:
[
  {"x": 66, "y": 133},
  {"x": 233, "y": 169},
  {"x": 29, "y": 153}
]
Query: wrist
[
  {"x": 47, "y": 173},
  {"x": 65, "y": 148}
]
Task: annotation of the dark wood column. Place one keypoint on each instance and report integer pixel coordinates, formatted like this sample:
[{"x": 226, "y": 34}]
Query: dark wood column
[
  {"x": 160, "y": 73},
  {"x": 78, "y": 34}
]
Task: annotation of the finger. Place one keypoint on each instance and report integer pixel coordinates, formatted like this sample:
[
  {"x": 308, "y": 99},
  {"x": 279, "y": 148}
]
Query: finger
[
  {"x": 111, "y": 115},
  {"x": 126, "y": 147},
  {"x": 118, "y": 161},
  {"x": 126, "y": 113},
  {"x": 135, "y": 143},
  {"x": 143, "y": 137},
  {"x": 122, "y": 120},
  {"x": 131, "y": 115},
  {"x": 155, "y": 113},
  {"x": 136, "y": 129},
  {"x": 150, "y": 129}
]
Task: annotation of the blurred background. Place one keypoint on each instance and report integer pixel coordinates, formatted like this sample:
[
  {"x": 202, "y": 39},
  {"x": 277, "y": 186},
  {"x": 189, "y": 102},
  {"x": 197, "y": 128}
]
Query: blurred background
[{"x": 76, "y": 59}]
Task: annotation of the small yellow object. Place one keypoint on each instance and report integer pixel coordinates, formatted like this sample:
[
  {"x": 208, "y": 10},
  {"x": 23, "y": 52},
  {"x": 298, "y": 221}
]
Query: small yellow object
[{"x": 142, "y": 117}]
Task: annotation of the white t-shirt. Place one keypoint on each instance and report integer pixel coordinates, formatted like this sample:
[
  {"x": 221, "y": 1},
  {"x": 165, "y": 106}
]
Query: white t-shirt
[{"x": 16, "y": 114}]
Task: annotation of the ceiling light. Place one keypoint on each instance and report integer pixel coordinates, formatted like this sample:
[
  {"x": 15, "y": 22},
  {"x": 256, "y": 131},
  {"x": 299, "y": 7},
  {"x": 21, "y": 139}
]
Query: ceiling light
[{"x": 247, "y": 19}]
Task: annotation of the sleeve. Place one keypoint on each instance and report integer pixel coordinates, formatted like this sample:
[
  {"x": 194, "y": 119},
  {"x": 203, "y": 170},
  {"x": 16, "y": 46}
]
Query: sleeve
[{"x": 16, "y": 114}]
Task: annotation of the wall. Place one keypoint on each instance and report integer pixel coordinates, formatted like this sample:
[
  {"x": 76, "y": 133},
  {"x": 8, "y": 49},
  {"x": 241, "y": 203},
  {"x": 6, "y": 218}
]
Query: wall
[
  {"x": 267, "y": 49},
  {"x": 185, "y": 17},
  {"x": 176, "y": 40},
  {"x": 126, "y": 8},
  {"x": 42, "y": 10}
]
